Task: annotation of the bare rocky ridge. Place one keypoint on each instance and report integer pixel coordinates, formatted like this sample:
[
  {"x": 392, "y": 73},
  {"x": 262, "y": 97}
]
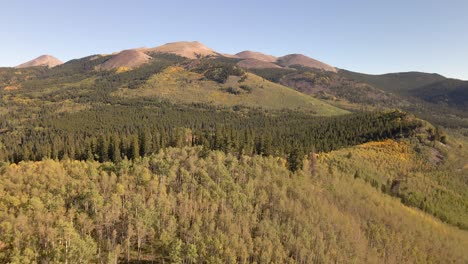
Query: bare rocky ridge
[
  {"x": 127, "y": 58},
  {"x": 44, "y": 60}
]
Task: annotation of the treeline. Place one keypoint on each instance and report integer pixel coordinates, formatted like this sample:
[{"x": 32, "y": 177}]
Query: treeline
[{"x": 112, "y": 133}]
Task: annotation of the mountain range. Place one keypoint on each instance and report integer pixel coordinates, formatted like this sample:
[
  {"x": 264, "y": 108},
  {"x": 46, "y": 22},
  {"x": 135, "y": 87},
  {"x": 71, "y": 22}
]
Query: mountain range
[
  {"x": 135, "y": 57},
  {"x": 342, "y": 88}
]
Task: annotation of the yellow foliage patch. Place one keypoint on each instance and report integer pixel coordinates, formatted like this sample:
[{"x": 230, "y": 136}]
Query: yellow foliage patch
[
  {"x": 400, "y": 148},
  {"x": 174, "y": 69},
  {"x": 19, "y": 100},
  {"x": 388, "y": 144},
  {"x": 122, "y": 69},
  {"x": 10, "y": 88}
]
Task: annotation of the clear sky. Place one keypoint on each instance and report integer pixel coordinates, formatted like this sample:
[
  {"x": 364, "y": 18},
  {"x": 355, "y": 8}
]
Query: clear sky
[{"x": 372, "y": 36}]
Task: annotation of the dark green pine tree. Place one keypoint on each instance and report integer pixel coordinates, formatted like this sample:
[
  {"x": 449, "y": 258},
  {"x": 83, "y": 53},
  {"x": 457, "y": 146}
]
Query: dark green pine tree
[
  {"x": 144, "y": 141},
  {"x": 295, "y": 159},
  {"x": 89, "y": 152},
  {"x": 103, "y": 149},
  {"x": 114, "y": 149},
  {"x": 134, "y": 152}
]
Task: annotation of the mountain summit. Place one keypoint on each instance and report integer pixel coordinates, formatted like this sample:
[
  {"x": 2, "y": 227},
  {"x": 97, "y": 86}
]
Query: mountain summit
[
  {"x": 44, "y": 60},
  {"x": 247, "y": 54},
  {"x": 191, "y": 50}
]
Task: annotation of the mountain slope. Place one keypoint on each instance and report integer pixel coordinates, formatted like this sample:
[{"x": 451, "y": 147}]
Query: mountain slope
[
  {"x": 127, "y": 58},
  {"x": 330, "y": 86},
  {"x": 44, "y": 60},
  {"x": 180, "y": 85},
  {"x": 302, "y": 60},
  {"x": 256, "y": 64}
]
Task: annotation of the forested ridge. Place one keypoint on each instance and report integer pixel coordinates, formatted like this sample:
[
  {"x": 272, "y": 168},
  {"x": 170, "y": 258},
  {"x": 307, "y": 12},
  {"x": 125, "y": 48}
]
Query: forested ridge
[{"x": 111, "y": 133}]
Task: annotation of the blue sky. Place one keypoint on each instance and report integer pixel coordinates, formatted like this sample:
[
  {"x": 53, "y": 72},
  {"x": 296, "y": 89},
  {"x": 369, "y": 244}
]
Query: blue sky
[{"x": 366, "y": 36}]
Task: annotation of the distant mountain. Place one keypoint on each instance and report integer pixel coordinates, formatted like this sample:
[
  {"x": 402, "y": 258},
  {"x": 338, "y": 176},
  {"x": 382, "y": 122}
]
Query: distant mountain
[
  {"x": 191, "y": 50},
  {"x": 449, "y": 91},
  {"x": 257, "y": 60},
  {"x": 44, "y": 60},
  {"x": 127, "y": 58},
  {"x": 395, "y": 82},
  {"x": 431, "y": 96},
  {"x": 302, "y": 60},
  {"x": 247, "y": 54}
]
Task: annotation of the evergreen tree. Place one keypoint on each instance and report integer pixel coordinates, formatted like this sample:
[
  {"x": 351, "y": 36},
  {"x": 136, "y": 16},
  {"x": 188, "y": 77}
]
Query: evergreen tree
[{"x": 134, "y": 152}]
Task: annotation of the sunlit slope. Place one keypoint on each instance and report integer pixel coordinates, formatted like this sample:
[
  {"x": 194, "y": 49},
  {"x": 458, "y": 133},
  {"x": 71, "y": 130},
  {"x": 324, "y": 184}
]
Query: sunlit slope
[
  {"x": 431, "y": 177},
  {"x": 179, "y": 85}
]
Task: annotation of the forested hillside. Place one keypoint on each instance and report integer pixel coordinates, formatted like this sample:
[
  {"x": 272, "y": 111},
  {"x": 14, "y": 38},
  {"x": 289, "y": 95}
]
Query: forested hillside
[
  {"x": 113, "y": 132},
  {"x": 396, "y": 82},
  {"x": 429, "y": 96},
  {"x": 187, "y": 206},
  {"x": 449, "y": 92}
]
